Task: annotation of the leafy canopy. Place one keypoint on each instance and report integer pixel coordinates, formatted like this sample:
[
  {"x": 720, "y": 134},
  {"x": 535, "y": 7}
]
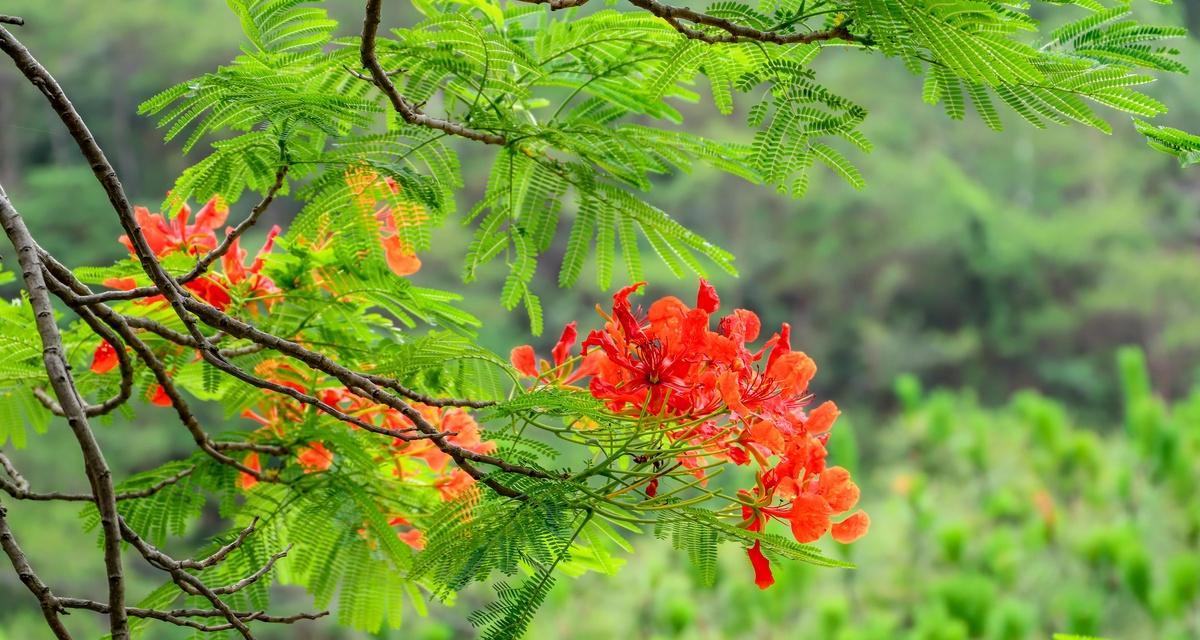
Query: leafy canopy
[{"x": 582, "y": 108}]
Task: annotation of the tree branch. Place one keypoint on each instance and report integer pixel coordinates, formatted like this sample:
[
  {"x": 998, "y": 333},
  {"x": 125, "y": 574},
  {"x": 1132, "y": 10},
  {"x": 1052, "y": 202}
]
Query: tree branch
[
  {"x": 411, "y": 113},
  {"x": 736, "y": 32},
  {"x": 19, "y": 488},
  {"x": 51, "y": 608},
  {"x": 58, "y": 370},
  {"x": 186, "y": 581},
  {"x": 178, "y": 616}
]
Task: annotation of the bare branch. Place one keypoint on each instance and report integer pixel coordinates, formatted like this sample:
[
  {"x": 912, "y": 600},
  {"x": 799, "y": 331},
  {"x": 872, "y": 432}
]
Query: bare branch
[
  {"x": 178, "y": 616},
  {"x": 364, "y": 387},
  {"x": 411, "y": 113},
  {"x": 556, "y": 5},
  {"x": 126, "y": 370},
  {"x": 254, "y": 577},
  {"x": 675, "y": 16},
  {"x": 220, "y": 554},
  {"x": 54, "y": 358},
  {"x": 425, "y": 398},
  {"x": 19, "y": 488},
  {"x": 51, "y": 608},
  {"x": 186, "y": 581},
  {"x": 67, "y": 292},
  {"x": 17, "y": 20}
]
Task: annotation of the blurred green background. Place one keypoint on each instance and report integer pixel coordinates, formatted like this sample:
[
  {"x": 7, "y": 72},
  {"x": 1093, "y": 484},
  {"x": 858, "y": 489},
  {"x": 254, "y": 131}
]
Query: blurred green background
[{"x": 1011, "y": 323}]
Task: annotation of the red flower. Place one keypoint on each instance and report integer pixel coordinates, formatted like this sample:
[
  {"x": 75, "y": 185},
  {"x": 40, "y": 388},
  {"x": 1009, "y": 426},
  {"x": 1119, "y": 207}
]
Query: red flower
[
  {"x": 105, "y": 358},
  {"x": 368, "y": 190},
  {"x": 412, "y": 536},
  {"x": 160, "y": 397},
  {"x": 245, "y": 480},
  {"x": 315, "y": 457},
  {"x": 214, "y": 288},
  {"x": 168, "y": 236},
  {"x": 563, "y": 370}
]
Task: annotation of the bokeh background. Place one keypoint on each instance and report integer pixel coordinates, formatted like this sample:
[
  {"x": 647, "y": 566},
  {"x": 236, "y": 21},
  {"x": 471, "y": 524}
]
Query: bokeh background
[{"x": 1011, "y": 323}]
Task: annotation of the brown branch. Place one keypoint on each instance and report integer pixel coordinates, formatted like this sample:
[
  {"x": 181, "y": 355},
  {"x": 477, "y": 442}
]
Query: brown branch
[
  {"x": 68, "y": 293},
  {"x": 178, "y": 616},
  {"x": 17, "y": 20},
  {"x": 58, "y": 370},
  {"x": 203, "y": 264},
  {"x": 18, "y": 480},
  {"x": 19, "y": 488},
  {"x": 364, "y": 387},
  {"x": 126, "y": 370},
  {"x": 556, "y": 5},
  {"x": 426, "y": 399},
  {"x": 51, "y": 607},
  {"x": 254, "y": 577},
  {"x": 217, "y": 556},
  {"x": 411, "y": 113},
  {"x": 186, "y": 581},
  {"x": 675, "y": 16}
]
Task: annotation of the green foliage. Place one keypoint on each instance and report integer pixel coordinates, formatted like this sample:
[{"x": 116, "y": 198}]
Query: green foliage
[
  {"x": 588, "y": 105},
  {"x": 565, "y": 91}
]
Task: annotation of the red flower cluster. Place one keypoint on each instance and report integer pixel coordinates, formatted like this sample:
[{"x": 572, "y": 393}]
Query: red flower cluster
[
  {"x": 168, "y": 236},
  {"x": 733, "y": 403},
  {"x": 277, "y": 414}
]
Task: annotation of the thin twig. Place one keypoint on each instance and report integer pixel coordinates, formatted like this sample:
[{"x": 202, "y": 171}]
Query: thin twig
[
  {"x": 51, "y": 607},
  {"x": 186, "y": 581},
  {"x": 19, "y": 489},
  {"x": 411, "y": 113},
  {"x": 178, "y": 616},
  {"x": 736, "y": 32}
]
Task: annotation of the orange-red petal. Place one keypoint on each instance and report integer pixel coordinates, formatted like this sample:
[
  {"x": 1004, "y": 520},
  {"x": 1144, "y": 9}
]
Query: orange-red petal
[
  {"x": 838, "y": 489},
  {"x": 707, "y": 299},
  {"x": 793, "y": 371},
  {"x": 524, "y": 360},
  {"x": 245, "y": 480},
  {"x": 314, "y": 457},
  {"x": 413, "y": 538},
  {"x": 400, "y": 257},
  {"x": 762, "y": 566},
  {"x": 822, "y": 418},
  {"x": 105, "y": 358},
  {"x": 160, "y": 397},
  {"x": 852, "y": 528},
  {"x": 731, "y": 393},
  {"x": 809, "y": 517}
]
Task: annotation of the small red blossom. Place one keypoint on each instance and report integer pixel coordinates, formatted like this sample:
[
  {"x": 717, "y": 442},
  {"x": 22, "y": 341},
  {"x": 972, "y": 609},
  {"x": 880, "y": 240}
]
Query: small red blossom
[
  {"x": 247, "y": 481},
  {"x": 562, "y": 369},
  {"x": 315, "y": 457},
  {"x": 217, "y": 289},
  {"x": 369, "y": 189},
  {"x": 105, "y": 358},
  {"x": 160, "y": 398}
]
